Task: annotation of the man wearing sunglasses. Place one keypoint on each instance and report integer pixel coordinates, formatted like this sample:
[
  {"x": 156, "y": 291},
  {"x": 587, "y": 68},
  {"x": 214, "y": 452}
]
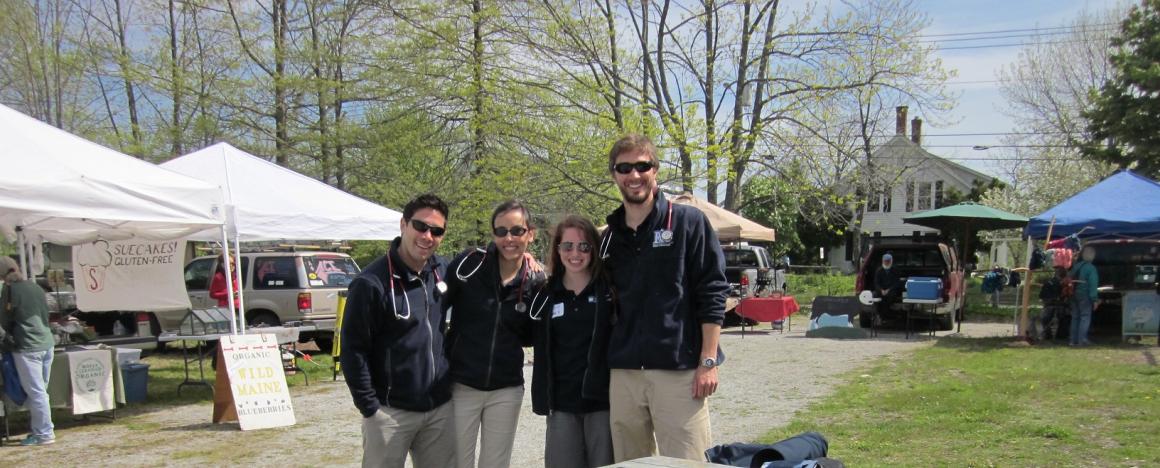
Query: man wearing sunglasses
[
  {"x": 392, "y": 346},
  {"x": 669, "y": 274}
]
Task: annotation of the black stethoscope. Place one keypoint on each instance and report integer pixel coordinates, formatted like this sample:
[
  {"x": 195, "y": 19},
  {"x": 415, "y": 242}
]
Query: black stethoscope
[
  {"x": 666, "y": 235},
  {"x": 439, "y": 285},
  {"x": 520, "y": 306}
]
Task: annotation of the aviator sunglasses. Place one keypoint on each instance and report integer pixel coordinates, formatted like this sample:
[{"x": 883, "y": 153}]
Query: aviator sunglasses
[
  {"x": 515, "y": 232},
  {"x": 627, "y": 168},
  {"x": 583, "y": 247},
  {"x": 424, "y": 227}
]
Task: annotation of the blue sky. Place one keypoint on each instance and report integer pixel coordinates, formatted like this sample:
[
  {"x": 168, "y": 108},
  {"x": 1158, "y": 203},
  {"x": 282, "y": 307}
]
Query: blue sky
[{"x": 980, "y": 105}]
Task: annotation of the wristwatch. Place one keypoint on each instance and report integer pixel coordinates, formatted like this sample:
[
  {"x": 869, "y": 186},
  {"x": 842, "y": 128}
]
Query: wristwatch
[{"x": 709, "y": 363}]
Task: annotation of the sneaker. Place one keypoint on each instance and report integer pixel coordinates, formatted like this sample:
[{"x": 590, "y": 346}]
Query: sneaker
[{"x": 37, "y": 440}]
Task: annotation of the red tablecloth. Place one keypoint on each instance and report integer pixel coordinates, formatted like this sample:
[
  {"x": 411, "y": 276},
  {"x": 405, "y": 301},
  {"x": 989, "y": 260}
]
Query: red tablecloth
[{"x": 767, "y": 309}]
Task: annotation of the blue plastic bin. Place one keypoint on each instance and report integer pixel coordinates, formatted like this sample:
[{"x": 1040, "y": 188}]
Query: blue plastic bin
[
  {"x": 924, "y": 288},
  {"x": 135, "y": 376}
]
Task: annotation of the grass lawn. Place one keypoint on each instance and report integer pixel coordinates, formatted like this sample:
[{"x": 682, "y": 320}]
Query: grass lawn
[{"x": 984, "y": 402}]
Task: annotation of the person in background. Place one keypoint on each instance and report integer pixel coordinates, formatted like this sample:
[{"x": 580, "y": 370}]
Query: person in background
[
  {"x": 489, "y": 292},
  {"x": 1086, "y": 298},
  {"x": 669, "y": 273},
  {"x": 570, "y": 377},
  {"x": 887, "y": 285},
  {"x": 392, "y": 346},
  {"x": 24, "y": 314},
  {"x": 217, "y": 285}
]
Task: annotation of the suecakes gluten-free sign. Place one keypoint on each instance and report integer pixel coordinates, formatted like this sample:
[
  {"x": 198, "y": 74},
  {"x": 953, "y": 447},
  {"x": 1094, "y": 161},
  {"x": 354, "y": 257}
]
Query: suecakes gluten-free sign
[{"x": 257, "y": 397}]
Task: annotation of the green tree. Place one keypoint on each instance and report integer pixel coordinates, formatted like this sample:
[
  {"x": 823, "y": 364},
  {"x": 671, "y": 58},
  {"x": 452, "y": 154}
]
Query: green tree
[{"x": 1122, "y": 121}]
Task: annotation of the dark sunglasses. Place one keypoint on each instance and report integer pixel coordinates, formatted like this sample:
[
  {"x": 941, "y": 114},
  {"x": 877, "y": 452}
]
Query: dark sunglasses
[
  {"x": 503, "y": 231},
  {"x": 627, "y": 168},
  {"x": 424, "y": 227},
  {"x": 583, "y": 247}
]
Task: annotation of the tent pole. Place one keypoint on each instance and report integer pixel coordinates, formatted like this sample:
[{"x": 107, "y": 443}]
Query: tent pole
[
  {"x": 241, "y": 288},
  {"x": 229, "y": 281},
  {"x": 1024, "y": 321},
  {"x": 24, "y": 268}
]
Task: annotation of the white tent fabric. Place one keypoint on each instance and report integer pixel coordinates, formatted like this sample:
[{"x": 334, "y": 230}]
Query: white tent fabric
[
  {"x": 269, "y": 202},
  {"x": 60, "y": 188}
]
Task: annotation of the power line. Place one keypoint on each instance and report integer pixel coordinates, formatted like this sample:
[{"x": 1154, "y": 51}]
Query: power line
[{"x": 1006, "y": 31}]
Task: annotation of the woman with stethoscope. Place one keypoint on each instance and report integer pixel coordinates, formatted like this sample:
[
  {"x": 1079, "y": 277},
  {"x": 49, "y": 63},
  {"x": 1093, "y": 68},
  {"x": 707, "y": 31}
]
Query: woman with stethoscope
[
  {"x": 573, "y": 316},
  {"x": 488, "y": 295}
]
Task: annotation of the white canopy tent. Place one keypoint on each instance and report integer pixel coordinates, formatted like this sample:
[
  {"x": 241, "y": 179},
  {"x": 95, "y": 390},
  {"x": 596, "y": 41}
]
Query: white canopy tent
[
  {"x": 270, "y": 202},
  {"x": 60, "y": 188}
]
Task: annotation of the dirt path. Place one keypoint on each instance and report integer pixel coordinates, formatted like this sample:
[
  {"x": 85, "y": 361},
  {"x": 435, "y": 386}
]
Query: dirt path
[{"x": 768, "y": 378}]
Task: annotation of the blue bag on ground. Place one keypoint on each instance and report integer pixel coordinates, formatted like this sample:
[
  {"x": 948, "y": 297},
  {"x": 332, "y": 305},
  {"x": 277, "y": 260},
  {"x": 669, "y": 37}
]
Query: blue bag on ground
[
  {"x": 793, "y": 451},
  {"x": 12, "y": 386}
]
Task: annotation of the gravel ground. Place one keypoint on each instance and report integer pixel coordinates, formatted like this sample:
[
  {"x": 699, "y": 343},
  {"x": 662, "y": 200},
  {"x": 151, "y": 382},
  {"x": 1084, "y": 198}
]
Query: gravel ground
[{"x": 768, "y": 378}]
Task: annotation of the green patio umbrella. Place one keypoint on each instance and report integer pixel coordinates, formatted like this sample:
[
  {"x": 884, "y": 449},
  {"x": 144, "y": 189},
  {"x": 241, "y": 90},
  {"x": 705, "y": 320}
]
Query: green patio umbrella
[{"x": 965, "y": 219}]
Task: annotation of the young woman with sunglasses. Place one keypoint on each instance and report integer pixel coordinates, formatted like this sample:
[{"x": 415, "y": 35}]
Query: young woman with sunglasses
[
  {"x": 572, "y": 315},
  {"x": 489, "y": 292}
]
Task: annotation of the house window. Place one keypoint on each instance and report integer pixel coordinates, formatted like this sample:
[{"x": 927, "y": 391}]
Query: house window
[
  {"x": 938, "y": 194},
  {"x": 922, "y": 197},
  {"x": 909, "y": 196},
  {"x": 886, "y": 199},
  {"x": 874, "y": 203}
]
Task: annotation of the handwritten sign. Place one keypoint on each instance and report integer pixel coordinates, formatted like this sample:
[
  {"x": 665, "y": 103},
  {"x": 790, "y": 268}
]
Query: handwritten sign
[
  {"x": 257, "y": 397},
  {"x": 130, "y": 275}
]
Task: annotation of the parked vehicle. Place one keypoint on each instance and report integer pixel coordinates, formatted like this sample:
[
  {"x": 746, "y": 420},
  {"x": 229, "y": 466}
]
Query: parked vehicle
[
  {"x": 916, "y": 257},
  {"x": 750, "y": 271},
  {"x": 278, "y": 287},
  {"x": 1123, "y": 265}
]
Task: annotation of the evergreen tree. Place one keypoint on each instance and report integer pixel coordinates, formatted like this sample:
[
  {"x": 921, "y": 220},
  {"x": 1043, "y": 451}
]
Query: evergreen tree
[{"x": 1123, "y": 124}]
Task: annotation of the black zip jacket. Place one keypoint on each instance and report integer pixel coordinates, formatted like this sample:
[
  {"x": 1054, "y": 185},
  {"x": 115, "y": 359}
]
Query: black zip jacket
[
  {"x": 667, "y": 285},
  {"x": 594, "y": 390},
  {"x": 487, "y": 334},
  {"x": 388, "y": 360}
]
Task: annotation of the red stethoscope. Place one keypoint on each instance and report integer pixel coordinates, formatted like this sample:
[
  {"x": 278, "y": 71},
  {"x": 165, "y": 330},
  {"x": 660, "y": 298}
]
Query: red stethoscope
[
  {"x": 666, "y": 234},
  {"x": 439, "y": 285}
]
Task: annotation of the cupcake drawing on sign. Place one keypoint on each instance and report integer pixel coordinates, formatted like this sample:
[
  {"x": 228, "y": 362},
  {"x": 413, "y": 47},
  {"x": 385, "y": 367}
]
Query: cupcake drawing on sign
[{"x": 94, "y": 259}]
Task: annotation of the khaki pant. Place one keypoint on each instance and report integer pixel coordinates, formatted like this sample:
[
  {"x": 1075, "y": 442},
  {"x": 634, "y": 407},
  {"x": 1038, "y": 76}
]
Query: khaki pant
[
  {"x": 660, "y": 403},
  {"x": 391, "y": 433},
  {"x": 489, "y": 417}
]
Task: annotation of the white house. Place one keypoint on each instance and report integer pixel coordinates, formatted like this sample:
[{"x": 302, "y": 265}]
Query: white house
[{"x": 910, "y": 180}]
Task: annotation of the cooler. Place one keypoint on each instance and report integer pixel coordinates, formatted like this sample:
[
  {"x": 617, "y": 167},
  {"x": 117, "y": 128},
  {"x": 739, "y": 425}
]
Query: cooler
[{"x": 924, "y": 288}]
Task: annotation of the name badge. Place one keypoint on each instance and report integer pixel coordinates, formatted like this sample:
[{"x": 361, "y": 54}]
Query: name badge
[
  {"x": 558, "y": 310},
  {"x": 662, "y": 238}
]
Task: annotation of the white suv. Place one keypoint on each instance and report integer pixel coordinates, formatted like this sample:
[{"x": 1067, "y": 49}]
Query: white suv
[{"x": 279, "y": 287}]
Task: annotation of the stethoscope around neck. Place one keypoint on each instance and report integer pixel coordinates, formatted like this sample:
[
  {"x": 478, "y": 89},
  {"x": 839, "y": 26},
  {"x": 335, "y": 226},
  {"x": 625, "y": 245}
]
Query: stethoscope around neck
[
  {"x": 520, "y": 306},
  {"x": 666, "y": 235},
  {"x": 439, "y": 285}
]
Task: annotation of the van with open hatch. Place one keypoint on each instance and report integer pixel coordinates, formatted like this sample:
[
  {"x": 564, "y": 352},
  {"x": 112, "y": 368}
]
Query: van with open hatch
[{"x": 915, "y": 257}]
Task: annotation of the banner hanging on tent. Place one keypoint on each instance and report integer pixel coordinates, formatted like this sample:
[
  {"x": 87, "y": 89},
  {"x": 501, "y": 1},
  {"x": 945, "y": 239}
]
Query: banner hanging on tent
[{"x": 130, "y": 275}]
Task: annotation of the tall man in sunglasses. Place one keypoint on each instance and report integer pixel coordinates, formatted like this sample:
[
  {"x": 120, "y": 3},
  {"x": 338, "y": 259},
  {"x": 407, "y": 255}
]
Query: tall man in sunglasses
[
  {"x": 392, "y": 346},
  {"x": 669, "y": 273}
]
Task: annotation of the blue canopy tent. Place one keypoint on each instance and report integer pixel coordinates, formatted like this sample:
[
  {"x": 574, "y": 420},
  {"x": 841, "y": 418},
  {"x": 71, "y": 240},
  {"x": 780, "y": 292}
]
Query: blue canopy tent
[{"x": 1124, "y": 204}]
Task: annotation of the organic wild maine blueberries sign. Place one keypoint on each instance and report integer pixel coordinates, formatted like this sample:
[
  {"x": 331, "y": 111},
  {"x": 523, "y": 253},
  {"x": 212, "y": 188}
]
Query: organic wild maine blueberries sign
[{"x": 257, "y": 382}]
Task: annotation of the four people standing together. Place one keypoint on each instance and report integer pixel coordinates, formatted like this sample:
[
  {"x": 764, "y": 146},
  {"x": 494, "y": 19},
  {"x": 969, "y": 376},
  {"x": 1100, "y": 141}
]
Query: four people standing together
[{"x": 624, "y": 330}]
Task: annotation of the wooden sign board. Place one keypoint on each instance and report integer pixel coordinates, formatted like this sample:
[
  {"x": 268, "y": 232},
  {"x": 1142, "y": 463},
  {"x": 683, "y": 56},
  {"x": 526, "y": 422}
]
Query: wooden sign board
[{"x": 251, "y": 387}]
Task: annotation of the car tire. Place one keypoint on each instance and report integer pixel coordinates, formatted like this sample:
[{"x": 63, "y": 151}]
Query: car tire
[
  {"x": 946, "y": 322},
  {"x": 325, "y": 345},
  {"x": 263, "y": 319}
]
